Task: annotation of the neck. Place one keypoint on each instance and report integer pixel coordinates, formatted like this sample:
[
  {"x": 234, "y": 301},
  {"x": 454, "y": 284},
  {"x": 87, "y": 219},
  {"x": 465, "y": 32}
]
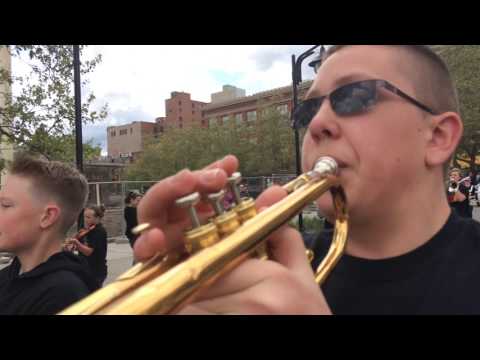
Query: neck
[
  {"x": 45, "y": 247},
  {"x": 402, "y": 228}
]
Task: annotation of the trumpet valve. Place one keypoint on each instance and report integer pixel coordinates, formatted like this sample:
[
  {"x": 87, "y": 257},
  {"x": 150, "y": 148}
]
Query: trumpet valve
[
  {"x": 226, "y": 222},
  {"x": 200, "y": 236}
]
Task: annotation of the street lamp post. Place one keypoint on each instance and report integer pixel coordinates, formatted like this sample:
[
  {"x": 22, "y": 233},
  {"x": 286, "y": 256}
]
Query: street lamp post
[
  {"x": 296, "y": 80},
  {"x": 78, "y": 108},
  {"x": 78, "y": 118}
]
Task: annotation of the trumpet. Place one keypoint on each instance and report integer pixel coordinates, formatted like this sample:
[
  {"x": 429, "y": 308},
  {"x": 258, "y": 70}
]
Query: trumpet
[
  {"x": 453, "y": 185},
  {"x": 167, "y": 283}
]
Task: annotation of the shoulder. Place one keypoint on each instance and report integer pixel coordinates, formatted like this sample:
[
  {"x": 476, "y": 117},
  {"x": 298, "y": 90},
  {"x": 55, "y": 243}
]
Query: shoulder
[
  {"x": 467, "y": 228},
  {"x": 65, "y": 282},
  {"x": 58, "y": 290}
]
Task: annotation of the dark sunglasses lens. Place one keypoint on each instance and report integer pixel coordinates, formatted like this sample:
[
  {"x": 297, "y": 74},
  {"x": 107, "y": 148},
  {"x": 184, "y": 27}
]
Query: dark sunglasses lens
[
  {"x": 305, "y": 112},
  {"x": 354, "y": 98}
]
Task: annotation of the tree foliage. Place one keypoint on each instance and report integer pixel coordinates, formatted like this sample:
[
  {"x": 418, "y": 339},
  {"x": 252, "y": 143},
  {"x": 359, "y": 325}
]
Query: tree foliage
[
  {"x": 40, "y": 115},
  {"x": 463, "y": 62},
  {"x": 264, "y": 146}
]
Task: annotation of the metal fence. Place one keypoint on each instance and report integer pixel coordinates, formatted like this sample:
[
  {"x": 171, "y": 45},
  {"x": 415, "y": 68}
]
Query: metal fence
[{"x": 112, "y": 194}]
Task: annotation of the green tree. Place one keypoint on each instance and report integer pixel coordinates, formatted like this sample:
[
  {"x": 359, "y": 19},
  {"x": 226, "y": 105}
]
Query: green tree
[
  {"x": 41, "y": 116},
  {"x": 464, "y": 62},
  {"x": 275, "y": 151},
  {"x": 264, "y": 146}
]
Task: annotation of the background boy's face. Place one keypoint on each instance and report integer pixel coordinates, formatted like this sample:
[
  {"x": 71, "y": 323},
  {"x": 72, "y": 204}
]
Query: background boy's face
[{"x": 20, "y": 214}]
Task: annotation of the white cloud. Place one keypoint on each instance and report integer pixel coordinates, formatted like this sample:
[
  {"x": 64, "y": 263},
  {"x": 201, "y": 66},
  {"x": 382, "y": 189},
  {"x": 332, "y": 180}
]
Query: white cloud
[{"x": 136, "y": 80}]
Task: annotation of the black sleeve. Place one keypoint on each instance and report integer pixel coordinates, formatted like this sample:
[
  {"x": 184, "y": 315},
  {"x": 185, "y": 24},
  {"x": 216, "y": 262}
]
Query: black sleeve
[
  {"x": 130, "y": 219},
  {"x": 463, "y": 189},
  {"x": 66, "y": 290}
]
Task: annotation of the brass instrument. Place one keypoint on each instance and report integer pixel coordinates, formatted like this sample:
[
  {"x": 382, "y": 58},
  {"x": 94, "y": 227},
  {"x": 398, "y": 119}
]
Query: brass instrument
[{"x": 166, "y": 283}]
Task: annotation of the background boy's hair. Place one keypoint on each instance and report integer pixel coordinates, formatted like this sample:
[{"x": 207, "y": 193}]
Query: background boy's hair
[{"x": 54, "y": 180}]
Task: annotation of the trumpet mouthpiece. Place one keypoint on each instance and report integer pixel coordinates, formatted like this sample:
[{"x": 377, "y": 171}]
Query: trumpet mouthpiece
[{"x": 326, "y": 165}]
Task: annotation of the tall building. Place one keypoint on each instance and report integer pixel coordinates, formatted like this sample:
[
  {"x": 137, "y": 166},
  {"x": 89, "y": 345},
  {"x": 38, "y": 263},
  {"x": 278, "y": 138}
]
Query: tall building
[
  {"x": 181, "y": 111},
  {"x": 128, "y": 141}
]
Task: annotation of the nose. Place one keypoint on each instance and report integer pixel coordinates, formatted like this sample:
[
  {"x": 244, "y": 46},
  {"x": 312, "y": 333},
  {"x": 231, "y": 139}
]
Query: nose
[{"x": 324, "y": 124}]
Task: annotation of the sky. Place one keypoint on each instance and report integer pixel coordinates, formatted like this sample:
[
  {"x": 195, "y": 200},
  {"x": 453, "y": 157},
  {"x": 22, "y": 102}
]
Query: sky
[{"x": 136, "y": 80}]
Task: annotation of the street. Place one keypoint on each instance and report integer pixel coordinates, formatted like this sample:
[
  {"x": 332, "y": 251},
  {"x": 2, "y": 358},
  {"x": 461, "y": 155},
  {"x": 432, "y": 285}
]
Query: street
[{"x": 119, "y": 260}]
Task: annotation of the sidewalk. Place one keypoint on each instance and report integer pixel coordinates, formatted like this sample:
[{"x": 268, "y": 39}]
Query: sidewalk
[{"x": 119, "y": 260}]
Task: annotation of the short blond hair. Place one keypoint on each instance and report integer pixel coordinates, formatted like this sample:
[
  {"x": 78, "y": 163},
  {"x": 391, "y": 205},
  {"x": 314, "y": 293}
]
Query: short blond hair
[{"x": 57, "y": 180}]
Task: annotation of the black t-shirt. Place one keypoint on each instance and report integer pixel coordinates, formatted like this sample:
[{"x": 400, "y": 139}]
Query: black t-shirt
[
  {"x": 97, "y": 261},
  {"x": 47, "y": 289},
  {"x": 130, "y": 214},
  {"x": 463, "y": 208},
  {"x": 440, "y": 277}
]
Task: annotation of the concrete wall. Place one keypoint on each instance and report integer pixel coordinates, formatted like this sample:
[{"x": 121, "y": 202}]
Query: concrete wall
[
  {"x": 114, "y": 222},
  {"x": 229, "y": 92},
  {"x": 129, "y": 138}
]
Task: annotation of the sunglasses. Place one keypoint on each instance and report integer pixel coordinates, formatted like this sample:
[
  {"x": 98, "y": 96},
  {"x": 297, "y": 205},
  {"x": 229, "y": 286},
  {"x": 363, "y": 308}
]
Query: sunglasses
[{"x": 350, "y": 99}]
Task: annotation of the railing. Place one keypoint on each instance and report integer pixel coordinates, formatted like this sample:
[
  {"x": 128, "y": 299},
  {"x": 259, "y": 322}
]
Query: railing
[{"x": 112, "y": 194}]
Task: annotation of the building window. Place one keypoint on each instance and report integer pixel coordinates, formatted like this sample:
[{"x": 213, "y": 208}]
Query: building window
[
  {"x": 112, "y": 133},
  {"x": 193, "y": 105},
  {"x": 180, "y": 118},
  {"x": 251, "y": 116},
  {"x": 131, "y": 131},
  {"x": 193, "y": 112},
  {"x": 225, "y": 119},
  {"x": 212, "y": 121},
  {"x": 123, "y": 132},
  {"x": 180, "y": 102}
]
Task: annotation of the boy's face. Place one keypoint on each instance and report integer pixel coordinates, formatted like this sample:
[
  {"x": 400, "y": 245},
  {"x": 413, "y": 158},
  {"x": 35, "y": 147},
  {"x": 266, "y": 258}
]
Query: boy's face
[
  {"x": 381, "y": 150},
  {"x": 20, "y": 214}
]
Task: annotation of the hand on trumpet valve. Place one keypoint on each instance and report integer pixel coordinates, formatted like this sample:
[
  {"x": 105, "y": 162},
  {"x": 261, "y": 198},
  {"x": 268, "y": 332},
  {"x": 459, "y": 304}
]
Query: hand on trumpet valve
[{"x": 254, "y": 286}]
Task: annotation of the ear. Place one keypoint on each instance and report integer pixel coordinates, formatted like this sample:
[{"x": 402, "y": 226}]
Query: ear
[
  {"x": 50, "y": 216},
  {"x": 445, "y": 133}
]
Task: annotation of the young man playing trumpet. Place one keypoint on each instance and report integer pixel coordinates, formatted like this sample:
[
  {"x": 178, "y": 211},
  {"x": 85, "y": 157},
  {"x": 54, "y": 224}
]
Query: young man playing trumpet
[{"x": 389, "y": 116}]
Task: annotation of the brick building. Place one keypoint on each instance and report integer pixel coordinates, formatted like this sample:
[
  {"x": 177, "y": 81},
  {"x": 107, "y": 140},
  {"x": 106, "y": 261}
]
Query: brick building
[
  {"x": 128, "y": 141},
  {"x": 244, "y": 109},
  {"x": 182, "y": 111}
]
